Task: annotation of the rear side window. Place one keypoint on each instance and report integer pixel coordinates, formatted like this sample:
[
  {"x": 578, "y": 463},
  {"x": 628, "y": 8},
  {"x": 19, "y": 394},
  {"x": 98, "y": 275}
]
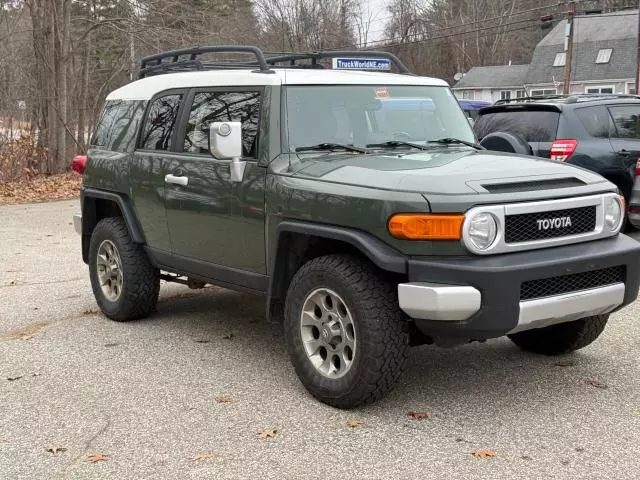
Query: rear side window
[
  {"x": 100, "y": 137},
  {"x": 160, "y": 122},
  {"x": 209, "y": 107},
  {"x": 596, "y": 121},
  {"x": 627, "y": 121},
  {"x": 530, "y": 125}
]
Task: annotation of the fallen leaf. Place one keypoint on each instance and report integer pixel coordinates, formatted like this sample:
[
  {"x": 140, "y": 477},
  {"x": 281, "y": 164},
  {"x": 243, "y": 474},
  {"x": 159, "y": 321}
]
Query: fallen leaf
[
  {"x": 55, "y": 449},
  {"x": 526, "y": 457},
  {"x": 96, "y": 457},
  {"x": 37, "y": 188},
  {"x": 565, "y": 363},
  {"x": 418, "y": 415},
  {"x": 223, "y": 399},
  {"x": 12, "y": 379},
  {"x": 109, "y": 345},
  {"x": 228, "y": 336},
  {"x": 483, "y": 453},
  {"x": 202, "y": 456},
  {"x": 267, "y": 433},
  {"x": 90, "y": 312},
  {"x": 353, "y": 423},
  {"x": 202, "y": 340},
  {"x": 597, "y": 384}
]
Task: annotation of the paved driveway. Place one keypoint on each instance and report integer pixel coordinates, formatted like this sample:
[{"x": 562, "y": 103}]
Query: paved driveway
[{"x": 145, "y": 394}]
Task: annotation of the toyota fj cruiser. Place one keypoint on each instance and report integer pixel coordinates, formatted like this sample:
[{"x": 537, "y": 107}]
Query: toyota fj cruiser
[{"x": 357, "y": 202}]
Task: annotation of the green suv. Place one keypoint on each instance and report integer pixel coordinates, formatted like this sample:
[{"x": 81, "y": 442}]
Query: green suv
[{"x": 356, "y": 202}]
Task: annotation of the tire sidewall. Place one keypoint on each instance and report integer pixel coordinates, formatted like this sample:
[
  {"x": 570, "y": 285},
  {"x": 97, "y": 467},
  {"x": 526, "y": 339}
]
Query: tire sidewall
[
  {"x": 99, "y": 235},
  {"x": 309, "y": 375}
]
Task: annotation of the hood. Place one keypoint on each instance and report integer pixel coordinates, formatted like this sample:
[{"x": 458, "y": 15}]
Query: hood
[{"x": 445, "y": 172}]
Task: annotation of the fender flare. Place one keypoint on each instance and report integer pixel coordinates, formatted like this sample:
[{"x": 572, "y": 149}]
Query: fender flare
[{"x": 89, "y": 220}]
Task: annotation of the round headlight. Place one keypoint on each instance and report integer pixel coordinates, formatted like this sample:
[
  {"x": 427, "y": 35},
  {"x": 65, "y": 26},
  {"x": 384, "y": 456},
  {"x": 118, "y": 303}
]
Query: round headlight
[
  {"x": 613, "y": 213},
  {"x": 482, "y": 230}
]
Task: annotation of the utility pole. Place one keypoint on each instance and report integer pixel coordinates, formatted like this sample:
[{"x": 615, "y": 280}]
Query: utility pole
[{"x": 570, "y": 13}]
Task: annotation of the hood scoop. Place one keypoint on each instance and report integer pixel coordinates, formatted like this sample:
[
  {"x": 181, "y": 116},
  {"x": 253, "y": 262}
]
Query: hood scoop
[{"x": 533, "y": 185}]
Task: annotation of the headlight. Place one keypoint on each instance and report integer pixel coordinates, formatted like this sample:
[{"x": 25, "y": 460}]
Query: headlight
[
  {"x": 613, "y": 213},
  {"x": 482, "y": 230}
]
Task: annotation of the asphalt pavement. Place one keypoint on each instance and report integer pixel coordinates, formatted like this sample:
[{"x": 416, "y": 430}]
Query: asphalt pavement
[{"x": 184, "y": 394}]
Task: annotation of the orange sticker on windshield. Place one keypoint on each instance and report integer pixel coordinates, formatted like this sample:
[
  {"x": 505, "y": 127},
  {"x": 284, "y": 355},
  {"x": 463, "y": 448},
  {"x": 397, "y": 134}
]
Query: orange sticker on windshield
[{"x": 382, "y": 92}]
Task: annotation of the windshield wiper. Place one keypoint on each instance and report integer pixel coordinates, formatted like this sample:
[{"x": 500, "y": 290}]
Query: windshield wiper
[
  {"x": 396, "y": 144},
  {"x": 332, "y": 146},
  {"x": 452, "y": 141}
]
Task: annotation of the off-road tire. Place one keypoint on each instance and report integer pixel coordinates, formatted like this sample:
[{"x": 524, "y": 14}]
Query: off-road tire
[
  {"x": 561, "y": 338},
  {"x": 381, "y": 330},
  {"x": 141, "y": 280}
]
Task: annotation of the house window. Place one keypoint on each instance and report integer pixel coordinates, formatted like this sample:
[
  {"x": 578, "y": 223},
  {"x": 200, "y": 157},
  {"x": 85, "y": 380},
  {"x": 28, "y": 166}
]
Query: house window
[
  {"x": 631, "y": 89},
  {"x": 521, "y": 94},
  {"x": 600, "y": 89},
  {"x": 468, "y": 94},
  {"x": 505, "y": 95},
  {"x": 541, "y": 92},
  {"x": 560, "y": 59},
  {"x": 604, "y": 55}
]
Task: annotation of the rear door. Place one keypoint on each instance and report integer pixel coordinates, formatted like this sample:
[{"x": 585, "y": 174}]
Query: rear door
[
  {"x": 626, "y": 137},
  {"x": 535, "y": 124}
]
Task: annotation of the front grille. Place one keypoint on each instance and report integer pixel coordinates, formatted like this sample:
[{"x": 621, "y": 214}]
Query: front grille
[
  {"x": 542, "y": 225},
  {"x": 547, "y": 287}
]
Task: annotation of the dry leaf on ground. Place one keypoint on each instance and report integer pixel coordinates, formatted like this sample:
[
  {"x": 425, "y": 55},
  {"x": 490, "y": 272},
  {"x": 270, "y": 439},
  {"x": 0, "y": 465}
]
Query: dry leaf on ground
[
  {"x": 25, "y": 333},
  {"x": 353, "y": 423},
  {"x": 228, "y": 336},
  {"x": 55, "y": 449},
  {"x": 267, "y": 433},
  {"x": 41, "y": 188},
  {"x": 565, "y": 363},
  {"x": 96, "y": 457},
  {"x": 418, "y": 415},
  {"x": 223, "y": 399},
  {"x": 12, "y": 379},
  {"x": 483, "y": 453},
  {"x": 597, "y": 383},
  {"x": 202, "y": 456}
]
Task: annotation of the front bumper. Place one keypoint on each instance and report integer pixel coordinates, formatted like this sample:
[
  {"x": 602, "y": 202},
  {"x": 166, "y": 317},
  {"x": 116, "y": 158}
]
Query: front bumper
[{"x": 480, "y": 297}]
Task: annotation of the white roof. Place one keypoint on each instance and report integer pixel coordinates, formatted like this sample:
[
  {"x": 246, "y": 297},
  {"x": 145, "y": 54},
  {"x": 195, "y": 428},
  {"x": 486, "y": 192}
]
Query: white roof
[{"x": 146, "y": 88}]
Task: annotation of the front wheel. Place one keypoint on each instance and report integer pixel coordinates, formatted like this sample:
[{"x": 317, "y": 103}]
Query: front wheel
[
  {"x": 561, "y": 338},
  {"x": 347, "y": 337}
]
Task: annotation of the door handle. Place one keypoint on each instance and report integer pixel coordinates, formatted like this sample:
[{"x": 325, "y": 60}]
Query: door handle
[
  {"x": 176, "y": 180},
  {"x": 624, "y": 153}
]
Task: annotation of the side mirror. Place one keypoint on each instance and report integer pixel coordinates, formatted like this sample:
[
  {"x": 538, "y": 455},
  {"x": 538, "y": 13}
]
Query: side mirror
[
  {"x": 225, "y": 143},
  {"x": 471, "y": 121},
  {"x": 225, "y": 140}
]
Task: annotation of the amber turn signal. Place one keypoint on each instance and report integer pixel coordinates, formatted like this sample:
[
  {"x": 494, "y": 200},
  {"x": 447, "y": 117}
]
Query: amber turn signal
[{"x": 420, "y": 226}]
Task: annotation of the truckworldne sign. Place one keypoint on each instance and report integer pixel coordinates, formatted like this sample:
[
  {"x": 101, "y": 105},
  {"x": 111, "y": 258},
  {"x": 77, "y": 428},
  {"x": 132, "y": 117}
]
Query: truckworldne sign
[{"x": 361, "y": 64}]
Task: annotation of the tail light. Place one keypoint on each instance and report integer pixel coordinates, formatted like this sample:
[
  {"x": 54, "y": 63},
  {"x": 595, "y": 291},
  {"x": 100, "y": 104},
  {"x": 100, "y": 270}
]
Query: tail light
[
  {"x": 79, "y": 164},
  {"x": 638, "y": 167},
  {"x": 563, "y": 149}
]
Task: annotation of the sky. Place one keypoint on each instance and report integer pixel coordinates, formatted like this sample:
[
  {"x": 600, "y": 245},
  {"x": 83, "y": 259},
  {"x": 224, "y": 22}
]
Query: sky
[{"x": 380, "y": 14}]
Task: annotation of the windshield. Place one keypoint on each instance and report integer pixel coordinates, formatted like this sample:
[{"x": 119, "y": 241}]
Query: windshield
[{"x": 361, "y": 115}]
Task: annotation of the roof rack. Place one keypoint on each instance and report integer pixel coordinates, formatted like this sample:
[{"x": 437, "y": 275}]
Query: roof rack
[
  {"x": 571, "y": 98},
  {"x": 187, "y": 59}
]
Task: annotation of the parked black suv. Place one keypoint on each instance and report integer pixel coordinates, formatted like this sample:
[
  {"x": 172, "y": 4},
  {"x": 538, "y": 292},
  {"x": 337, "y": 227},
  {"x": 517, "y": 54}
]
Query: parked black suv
[{"x": 597, "y": 132}]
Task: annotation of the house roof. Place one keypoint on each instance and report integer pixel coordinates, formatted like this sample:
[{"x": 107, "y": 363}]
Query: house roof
[
  {"x": 592, "y": 33},
  {"x": 494, "y": 77}
]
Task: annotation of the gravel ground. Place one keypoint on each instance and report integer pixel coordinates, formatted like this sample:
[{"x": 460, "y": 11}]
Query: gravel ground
[{"x": 146, "y": 394}]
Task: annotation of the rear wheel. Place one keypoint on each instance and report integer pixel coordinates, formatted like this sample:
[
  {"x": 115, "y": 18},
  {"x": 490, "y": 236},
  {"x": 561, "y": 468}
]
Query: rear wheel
[
  {"x": 347, "y": 337},
  {"x": 124, "y": 282},
  {"x": 563, "y": 337}
]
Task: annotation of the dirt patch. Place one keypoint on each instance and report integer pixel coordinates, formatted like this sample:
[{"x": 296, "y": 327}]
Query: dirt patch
[
  {"x": 24, "y": 333},
  {"x": 41, "y": 188}
]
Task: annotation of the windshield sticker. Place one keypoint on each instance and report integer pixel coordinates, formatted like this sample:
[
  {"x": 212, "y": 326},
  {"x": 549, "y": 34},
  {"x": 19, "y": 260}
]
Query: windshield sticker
[
  {"x": 361, "y": 64},
  {"x": 382, "y": 92}
]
